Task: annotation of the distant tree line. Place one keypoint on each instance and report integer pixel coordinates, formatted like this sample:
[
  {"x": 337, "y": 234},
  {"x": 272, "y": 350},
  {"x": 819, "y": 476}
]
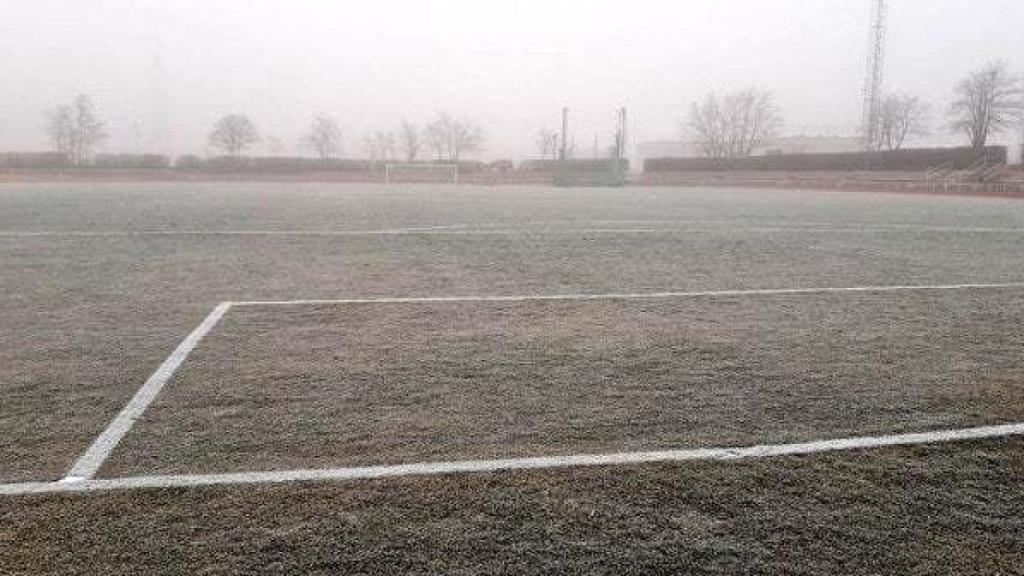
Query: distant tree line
[
  {"x": 987, "y": 102},
  {"x": 76, "y": 131},
  {"x": 449, "y": 138}
]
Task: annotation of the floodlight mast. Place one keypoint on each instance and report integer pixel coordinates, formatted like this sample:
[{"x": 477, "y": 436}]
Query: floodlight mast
[
  {"x": 875, "y": 72},
  {"x": 565, "y": 133}
]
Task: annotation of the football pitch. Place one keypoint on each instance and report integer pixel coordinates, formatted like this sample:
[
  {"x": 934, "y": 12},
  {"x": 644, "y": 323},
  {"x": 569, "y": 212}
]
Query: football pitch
[{"x": 240, "y": 378}]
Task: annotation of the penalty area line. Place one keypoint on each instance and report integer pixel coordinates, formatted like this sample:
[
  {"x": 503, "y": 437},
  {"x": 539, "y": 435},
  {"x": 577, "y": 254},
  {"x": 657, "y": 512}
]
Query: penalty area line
[
  {"x": 638, "y": 295},
  {"x": 86, "y": 466},
  {"x": 650, "y": 228},
  {"x": 515, "y": 464}
]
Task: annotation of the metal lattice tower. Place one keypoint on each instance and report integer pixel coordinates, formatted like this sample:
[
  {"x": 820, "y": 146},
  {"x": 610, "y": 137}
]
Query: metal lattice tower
[{"x": 875, "y": 70}]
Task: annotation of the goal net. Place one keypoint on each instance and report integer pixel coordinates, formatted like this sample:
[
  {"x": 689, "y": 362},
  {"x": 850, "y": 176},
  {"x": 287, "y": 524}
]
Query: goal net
[
  {"x": 398, "y": 173},
  {"x": 596, "y": 172}
]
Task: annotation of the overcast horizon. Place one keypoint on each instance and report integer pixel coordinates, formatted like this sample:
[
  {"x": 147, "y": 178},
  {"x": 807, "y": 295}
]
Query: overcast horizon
[{"x": 161, "y": 73}]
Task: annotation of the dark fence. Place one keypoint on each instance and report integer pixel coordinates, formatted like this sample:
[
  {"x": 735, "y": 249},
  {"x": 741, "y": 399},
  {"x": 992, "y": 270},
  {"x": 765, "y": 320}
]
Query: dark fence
[
  {"x": 57, "y": 160},
  {"x": 269, "y": 164},
  {"x": 912, "y": 159},
  {"x": 298, "y": 165},
  {"x": 592, "y": 172},
  {"x": 132, "y": 161},
  {"x": 576, "y": 165},
  {"x": 33, "y": 160}
]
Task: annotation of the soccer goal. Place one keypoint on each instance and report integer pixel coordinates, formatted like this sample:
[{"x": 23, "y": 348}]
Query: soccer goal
[{"x": 403, "y": 172}]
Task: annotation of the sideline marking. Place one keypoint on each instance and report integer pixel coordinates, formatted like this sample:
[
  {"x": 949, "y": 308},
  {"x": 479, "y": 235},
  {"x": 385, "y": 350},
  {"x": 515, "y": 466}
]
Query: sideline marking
[
  {"x": 487, "y": 229},
  {"x": 89, "y": 462},
  {"x": 635, "y": 296},
  {"x": 513, "y": 464}
]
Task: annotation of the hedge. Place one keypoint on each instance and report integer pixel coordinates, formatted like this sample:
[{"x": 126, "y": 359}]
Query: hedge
[{"x": 911, "y": 159}]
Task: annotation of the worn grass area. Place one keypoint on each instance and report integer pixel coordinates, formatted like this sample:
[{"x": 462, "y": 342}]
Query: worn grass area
[
  {"x": 341, "y": 385},
  {"x": 952, "y": 509}
]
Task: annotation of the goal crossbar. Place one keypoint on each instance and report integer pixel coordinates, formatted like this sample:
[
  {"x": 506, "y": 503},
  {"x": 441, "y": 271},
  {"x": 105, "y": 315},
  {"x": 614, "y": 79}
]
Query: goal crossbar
[{"x": 394, "y": 172}]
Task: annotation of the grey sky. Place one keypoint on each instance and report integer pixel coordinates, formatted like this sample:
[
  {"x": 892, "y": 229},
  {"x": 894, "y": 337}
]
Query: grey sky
[{"x": 163, "y": 71}]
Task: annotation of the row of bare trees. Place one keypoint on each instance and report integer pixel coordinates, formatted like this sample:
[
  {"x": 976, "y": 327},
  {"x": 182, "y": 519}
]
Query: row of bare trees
[
  {"x": 406, "y": 143},
  {"x": 989, "y": 101},
  {"x": 234, "y": 133},
  {"x": 76, "y": 130},
  {"x": 447, "y": 136},
  {"x": 738, "y": 123}
]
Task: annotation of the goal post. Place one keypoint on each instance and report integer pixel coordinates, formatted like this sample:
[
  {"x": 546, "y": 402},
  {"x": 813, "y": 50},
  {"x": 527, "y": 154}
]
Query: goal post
[{"x": 401, "y": 172}]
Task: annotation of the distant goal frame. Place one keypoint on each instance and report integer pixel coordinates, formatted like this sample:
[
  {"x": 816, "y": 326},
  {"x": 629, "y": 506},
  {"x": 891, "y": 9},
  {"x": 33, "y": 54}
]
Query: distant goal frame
[{"x": 390, "y": 169}]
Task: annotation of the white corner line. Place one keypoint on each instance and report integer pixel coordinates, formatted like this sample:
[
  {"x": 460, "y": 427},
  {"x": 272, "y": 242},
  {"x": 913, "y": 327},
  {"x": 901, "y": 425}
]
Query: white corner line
[
  {"x": 469, "y": 230},
  {"x": 86, "y": 466},
  {"x": 637, "y": 296},
  {"x": 513, "y": 464}
]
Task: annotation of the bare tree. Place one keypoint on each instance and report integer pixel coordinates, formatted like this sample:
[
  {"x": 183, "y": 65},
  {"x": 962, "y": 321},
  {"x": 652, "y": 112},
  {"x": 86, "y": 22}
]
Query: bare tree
[
  {"x": 61, "y": 128},
  {"x": 324, "y": 137},
  {"x": 89, "y": 130},
  {"x": 735, "y": 125},
  {"x": 901, "y": 117},
  {"x": 234, "y": 133},
  {"x": 451, "y": 137},
  {"x": 547, "y": 143},
  {"x": 707, "y": 122},
  {"x": 409, "y": 140},
  {"x": 76, "y": 130},
  {"x": 379, "y": 145},
  {"x": 987, "y": 102},
  {"x": 752, "y": 118}
]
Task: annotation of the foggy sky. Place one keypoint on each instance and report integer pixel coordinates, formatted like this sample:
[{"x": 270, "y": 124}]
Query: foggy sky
[{"x": 162, "y": 71}]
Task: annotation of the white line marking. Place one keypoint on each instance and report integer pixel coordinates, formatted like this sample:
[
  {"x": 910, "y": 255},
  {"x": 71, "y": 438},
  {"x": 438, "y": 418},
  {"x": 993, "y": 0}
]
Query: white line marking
[
  {"x": 459, "y": 230},
  {"x": 81, "y": 475},
  {"x": 634, "y": 296},
  {"x": 89, "y": 462},
  {"x": 512, "y": 464}
]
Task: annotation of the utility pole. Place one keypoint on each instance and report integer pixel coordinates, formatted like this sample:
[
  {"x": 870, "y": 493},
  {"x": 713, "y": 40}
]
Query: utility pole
[
  {"x": 565, "y": 133},
  {"x": 620, "y": 134},
  {"x": 1020, "y": 161},
  {"x": 873, "y": 79}
]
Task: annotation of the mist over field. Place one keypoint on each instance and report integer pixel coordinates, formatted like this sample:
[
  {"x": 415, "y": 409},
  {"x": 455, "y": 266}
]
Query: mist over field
[
  {"x": 511, "y": 287},
  {"x": 161, "y": 73}
]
